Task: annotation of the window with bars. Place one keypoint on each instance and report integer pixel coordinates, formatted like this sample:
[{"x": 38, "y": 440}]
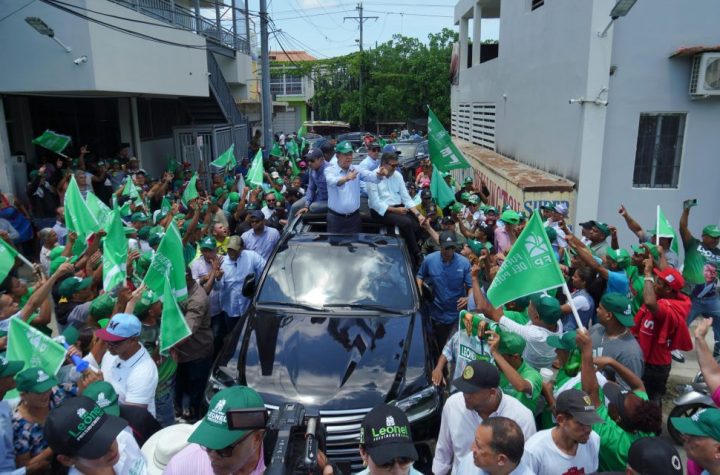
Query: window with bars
[
  {"x": 535, "y": 4},
  {"x": 285, "y": 84},
  {"x": 659, "y": 150}
]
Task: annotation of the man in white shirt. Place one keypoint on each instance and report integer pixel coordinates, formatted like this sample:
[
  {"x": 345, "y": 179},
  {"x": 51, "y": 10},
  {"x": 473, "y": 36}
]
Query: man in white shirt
[
  {"x": 127, "y": 365},
  {"x": 497, "y": 450},
  {"x": 479, "y": 398},
  {"x": 571, "y": 447}
]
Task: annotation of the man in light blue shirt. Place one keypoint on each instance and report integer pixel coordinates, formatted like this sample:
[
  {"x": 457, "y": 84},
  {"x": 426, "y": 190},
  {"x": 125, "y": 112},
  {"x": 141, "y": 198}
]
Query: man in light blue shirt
[
  {"x": 235, "y": 267},
  {"x": 370, "y": 163},
  {"x": 391, "y": 204},
  {"x": 8, "y": 369},
  {"x": 343, "y": 185},
  {"x": 260, "y": 238}
]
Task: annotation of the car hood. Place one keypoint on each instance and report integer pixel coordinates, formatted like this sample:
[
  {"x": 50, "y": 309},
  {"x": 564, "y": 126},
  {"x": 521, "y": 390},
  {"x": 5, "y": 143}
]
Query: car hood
[{"x": 328, "y": 362}]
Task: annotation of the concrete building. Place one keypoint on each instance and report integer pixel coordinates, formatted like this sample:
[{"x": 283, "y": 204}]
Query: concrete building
[
  {"x": 291, "y": 90},
  {"x": 628, "y": 111},
  {"x": 164, "y": 76}
]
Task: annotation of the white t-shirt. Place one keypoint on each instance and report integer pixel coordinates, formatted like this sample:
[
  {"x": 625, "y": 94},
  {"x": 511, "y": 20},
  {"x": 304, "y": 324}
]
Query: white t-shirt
[
  {"x": 131, "y": 462},
  {"x": 458, "y": 425},
  {"x": 135, "y": 379},
  {"x": 581, "y": 302},
  {"x": 545, "y": 458},
  {"x": 466, "y": 466}
]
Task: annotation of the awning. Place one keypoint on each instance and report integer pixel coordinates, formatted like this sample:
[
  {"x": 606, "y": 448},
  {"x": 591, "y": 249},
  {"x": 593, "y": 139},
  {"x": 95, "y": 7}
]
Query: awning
[{"x": 693, "y": 50}]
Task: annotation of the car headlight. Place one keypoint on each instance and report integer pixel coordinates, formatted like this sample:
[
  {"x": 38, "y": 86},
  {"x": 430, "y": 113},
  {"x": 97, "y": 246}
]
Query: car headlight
[{"x": 419, "y": 405}]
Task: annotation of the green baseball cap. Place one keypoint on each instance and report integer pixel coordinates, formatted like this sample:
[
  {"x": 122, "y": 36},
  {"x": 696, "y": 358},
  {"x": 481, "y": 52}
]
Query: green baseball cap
[
  {"x": 619, "y": 305},
  {"x": 510, "y": 217},
  {"x": 638, "y": 249},
  {"x": 73, "y": 284},
  {"x": 139, "y": 217},
  {"x": 56, "y": 252},
  {"x": 144, "y": 233},
  {"x": 704, "y": 423},
  {"x": 208, "y": 242},
  {"x": 473, "y": 199},
  {"x": 102, "y": 306},
  {"x": 155, "y": 238},
  {"x": 604, "y": 228},
  {"x": 468, "y": 180},
  {"x": 551, "y": 233},
  {"x": 9, "y": 367},
  {"x": 464, "y": 196},
  {"x": 491, "y": 209},
  {"x": 344, "y": 147},
  {"x": 711, "y": 230},
  {"x": 564, "y": 342},
  {"x": 213, "y": 431},
  {"x": 34, "y": 380},
  {"x": 104, "y": 396},
  {"x": 147, "y": 299},
  {"x": 620, "y": 256},
  {"x": 511, "y": 344},
  {"x": 475, "y": 246},
  {"x": 219, "y": 191},
  {"x": 234, "y": 197},
  {"x": 548, "y": 308},
  {"x": 456, "y": 207},
  {"x": 129, "y": 231}
]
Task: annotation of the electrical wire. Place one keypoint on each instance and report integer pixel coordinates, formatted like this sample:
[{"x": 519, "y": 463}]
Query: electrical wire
[{"x": 410, "y": 14}]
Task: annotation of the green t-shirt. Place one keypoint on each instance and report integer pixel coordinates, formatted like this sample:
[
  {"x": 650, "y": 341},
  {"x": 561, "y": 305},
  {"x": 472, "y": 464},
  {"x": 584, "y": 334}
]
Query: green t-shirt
[
  {"x": 615, "y": 442},
  {"x": 518, "y": 317},
  {"x": 696, "y": 256},
  {"x": 637, "y": 282},
  {"x": 532, "y": 375}
]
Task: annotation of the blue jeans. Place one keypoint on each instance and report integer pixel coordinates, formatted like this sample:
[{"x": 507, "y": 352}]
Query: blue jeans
[
  {"x": 165, "y": 408},
  {"x": 708, "y": 307}
]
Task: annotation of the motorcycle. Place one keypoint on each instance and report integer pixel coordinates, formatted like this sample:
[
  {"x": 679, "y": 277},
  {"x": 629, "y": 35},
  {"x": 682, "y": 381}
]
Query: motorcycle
[{"x": 692, "y": 398}]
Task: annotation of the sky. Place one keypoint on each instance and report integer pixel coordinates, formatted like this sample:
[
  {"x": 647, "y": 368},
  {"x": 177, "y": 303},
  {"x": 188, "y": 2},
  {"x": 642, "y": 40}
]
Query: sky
[{"x": 317, "y": 26}]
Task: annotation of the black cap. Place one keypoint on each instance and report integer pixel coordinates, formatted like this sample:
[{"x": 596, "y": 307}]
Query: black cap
[
  {"x": 654, "y": 456},
  {"x": 314, "y": 154},
  {"x": 425, "y": 194},
  {"x": 448, "y": 220},
  {"x": 616, "y": 396},
  {"x": 385, "y": 434},
  {"x": 448, "y": 239},
  {"x": 478, "y": 375},
  {"x": 579, "y": 405},
  {"x": 80, "y": 428}
]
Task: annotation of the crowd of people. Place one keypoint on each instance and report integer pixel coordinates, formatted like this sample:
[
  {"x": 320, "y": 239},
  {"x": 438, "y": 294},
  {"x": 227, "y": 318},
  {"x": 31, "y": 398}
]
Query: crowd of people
[{"x": 532, "y": 389}]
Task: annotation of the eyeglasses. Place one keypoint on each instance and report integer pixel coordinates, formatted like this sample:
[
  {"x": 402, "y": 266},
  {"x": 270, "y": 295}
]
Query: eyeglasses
[
  {"x": 228, "y": 451},
  {"x": 402, "y": 462}
]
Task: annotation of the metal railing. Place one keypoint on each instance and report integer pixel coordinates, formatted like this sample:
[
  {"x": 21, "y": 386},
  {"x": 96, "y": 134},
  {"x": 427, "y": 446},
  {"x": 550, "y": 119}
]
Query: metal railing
[
  {"x": 222, "y": 93},
  {"x": 185, "y": 19}
]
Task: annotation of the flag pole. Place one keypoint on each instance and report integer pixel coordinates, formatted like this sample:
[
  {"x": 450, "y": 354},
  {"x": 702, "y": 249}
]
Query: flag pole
[
  {"x": 566, "y": 291},
  {"x": 657, "y": 226}
]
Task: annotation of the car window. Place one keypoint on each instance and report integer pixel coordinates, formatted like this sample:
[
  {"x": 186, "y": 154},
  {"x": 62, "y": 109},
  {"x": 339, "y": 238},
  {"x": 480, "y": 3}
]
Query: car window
[{"x": 349, "y": 273}]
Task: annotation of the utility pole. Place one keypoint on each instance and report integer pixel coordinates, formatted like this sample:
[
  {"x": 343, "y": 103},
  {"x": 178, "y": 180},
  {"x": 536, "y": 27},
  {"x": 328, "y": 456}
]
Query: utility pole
[
  {"x": 265, "y": 66},
  {"x": 361, "y": 19}
]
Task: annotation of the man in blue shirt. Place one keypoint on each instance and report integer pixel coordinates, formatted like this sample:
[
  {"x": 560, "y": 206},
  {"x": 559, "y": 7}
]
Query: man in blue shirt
[
  {"x": 370, "y": 163},
  {"x": 317, "y": 186},
  {"x": 260, "y": 238},
  {"x": 448, "y": 274}
]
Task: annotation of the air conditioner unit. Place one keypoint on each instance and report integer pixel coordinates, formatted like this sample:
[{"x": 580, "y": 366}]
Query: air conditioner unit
[{"x": 705, "y": 75}]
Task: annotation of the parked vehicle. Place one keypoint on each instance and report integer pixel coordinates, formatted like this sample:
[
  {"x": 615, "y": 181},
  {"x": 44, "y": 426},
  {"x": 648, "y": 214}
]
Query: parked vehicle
[
  {"x": 411, "y": 155},
  {"x": 692, "y": 398}
]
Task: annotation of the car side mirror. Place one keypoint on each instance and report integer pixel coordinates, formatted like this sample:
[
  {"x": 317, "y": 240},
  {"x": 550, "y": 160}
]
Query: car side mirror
[
  {"x": 248, "y": 288},
  {"x": 427, "y": 292}
]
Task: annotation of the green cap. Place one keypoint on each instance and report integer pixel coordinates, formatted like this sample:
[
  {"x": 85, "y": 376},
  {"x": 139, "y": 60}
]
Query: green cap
[
  {"x": 468, "y": 180},
  {"x": 129, "y": 231},
  {"x": 208, "y": 242},
  {"x": 456, "y": 207},
  {"x": 511, "y": 344},
  {"x": 548, "y": 308},
  {"x": 213, "y": 431},
  {"x": 219, "y": 191},
  {"x": 474, "y": 199},
  {"x": 704, "y": 423},
  {"x": 144, "y": 233},
  {"x": 146, "y": 301},
  {"x": 279, "y": 181},
  {"x": 73, "y": 284},
  {"x": 234, "y": 197},
  {"x": 155, "y": 238},
  {"x": 638, "y": 249},
  {"x": 491, "y": 209},
  {"x": 510, "y": 217},
  {"x": 619, "y": 305},
  {"x": 102, "y": 306},
  {"x": 475, "y": 246},
  {"x": 604, "y": 228},
  {"x": 551, "y": 233},
  {"x": 620, "y": 256},
  {"x": 8, "y": 367},
  {"x": 104, "y": 396},
  {"x": 57, "y": 262},
  {"x": 344, "y": 147},
  {"x": 565, "y": 342},
  {"x": 34, "y": 380},
  {"x": 55, "y": 252},
  {"x": 464, "y": 196},
  {"x": 711, "y": 230},
  {"x": 139, "y": 217}
]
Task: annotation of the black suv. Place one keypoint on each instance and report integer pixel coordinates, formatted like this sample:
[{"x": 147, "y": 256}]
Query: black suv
[{"x": 336, "y": 323}]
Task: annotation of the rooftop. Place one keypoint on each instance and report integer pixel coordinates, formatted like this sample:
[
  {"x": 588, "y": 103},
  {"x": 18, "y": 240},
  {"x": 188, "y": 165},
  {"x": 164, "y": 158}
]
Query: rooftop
[{"x": 290, "y": 56}]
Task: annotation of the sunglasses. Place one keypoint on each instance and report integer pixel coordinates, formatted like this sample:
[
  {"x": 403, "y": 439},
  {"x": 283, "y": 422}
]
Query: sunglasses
[
  {"x": 402, "y": 462},
  {"x": 228, "y": 451}
]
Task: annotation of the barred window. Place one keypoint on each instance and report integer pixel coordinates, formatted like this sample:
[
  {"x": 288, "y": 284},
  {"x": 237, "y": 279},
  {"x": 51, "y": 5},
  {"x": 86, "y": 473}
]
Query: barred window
[{"x": 659, "y": 150}]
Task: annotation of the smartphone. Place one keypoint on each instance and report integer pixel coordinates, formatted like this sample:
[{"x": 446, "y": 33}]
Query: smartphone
[
  {"x": 689, "y": 203},
  {"x": 247, "y": 419}
]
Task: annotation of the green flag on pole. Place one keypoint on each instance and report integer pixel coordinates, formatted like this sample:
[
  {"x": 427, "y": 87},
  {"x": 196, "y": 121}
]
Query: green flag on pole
[
  {"x": 530, "y": 266},
  {"x": 302, "y": 131},
  {"x": 53, "y": 141},
  {"x": 292, "y": 148},
  {"x": 131, "y": 190},
  {"x": 441, "y": 192},
  {"x": 100, "y": 210},
  {"x": 7, "y": 259},
  {"x": 190, "y": 192},
  {"x": 78, "y": 217},
  {"x": 256, "y": 174},
  {"x": 665, "y": 230},
  {"x": 443, "y": 152},
  {"x": 226, "y": 159},
  {"x": 173, "y": 327},
  {"x": 165, "y": 205},
  {"x": 33, "y": 347},
  {"x": 168, "y": 263},
  {"x": 276, "y": 151},
  {"x": 115, "y": 251}
]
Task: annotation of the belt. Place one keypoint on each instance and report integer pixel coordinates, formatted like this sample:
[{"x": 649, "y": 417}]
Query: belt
[{"x": 343, "y": 215}]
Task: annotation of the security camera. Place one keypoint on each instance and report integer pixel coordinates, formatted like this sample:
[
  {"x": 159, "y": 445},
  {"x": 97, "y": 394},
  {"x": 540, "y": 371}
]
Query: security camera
[{"x": 80, "y": 60}]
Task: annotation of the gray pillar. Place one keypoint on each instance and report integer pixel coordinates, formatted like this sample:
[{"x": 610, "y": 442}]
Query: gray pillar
[
  {"x": 477, "y": 19},
  {"x": 463, "y": 43}
]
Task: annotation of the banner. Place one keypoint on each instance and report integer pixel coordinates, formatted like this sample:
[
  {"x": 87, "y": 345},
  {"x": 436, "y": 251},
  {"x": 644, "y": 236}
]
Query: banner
[
  {"x": 444, "y": 155},
  {"x": 173, "y": 327}
]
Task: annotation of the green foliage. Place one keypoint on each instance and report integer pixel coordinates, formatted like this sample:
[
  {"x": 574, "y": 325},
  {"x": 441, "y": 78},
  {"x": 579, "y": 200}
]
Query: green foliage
[{"x": 400, "y": 77}]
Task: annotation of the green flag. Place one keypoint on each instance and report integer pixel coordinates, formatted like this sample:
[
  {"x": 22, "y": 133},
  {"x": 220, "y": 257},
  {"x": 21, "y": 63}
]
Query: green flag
[
  {"x": 665, "y": 229},
  {"x": 165, "y": 205},
  {"x": 443, "y": 152},
  {"x": 190, "y": 192},
  {"x": 226, "y": 159},
  {"x": 275, "y": 151},
  {"x": 292, "y": 148},
  {"x": 33, "y": 347},
  {"x": 168, "y": 263},
  {"x": 78, "y": 217},
  {"x": 530, "y": 266},
  {"x": 115, "y": 251},
  {"x": 173, "y": 327},
  {"x": 7, "y": 259},
  {"x": 100, "y": 210},
  {"x": 440, "y": 190},
  {"x": 131, "y": 190},
  {"x": 52, "y": 141},
  {"x": 301, "y": 131},
  {"x": 256, "y": 174}
]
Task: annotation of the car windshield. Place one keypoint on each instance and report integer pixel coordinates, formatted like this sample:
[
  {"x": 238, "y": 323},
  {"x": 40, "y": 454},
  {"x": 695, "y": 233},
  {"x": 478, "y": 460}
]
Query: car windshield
[
  {"x": 406, "y": 149},
  {"x": 348, "y": 273}
]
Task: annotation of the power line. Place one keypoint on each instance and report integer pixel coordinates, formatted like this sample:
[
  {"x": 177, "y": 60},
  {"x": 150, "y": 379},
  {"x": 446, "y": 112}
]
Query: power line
[{"x": 412, "y": 14}]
